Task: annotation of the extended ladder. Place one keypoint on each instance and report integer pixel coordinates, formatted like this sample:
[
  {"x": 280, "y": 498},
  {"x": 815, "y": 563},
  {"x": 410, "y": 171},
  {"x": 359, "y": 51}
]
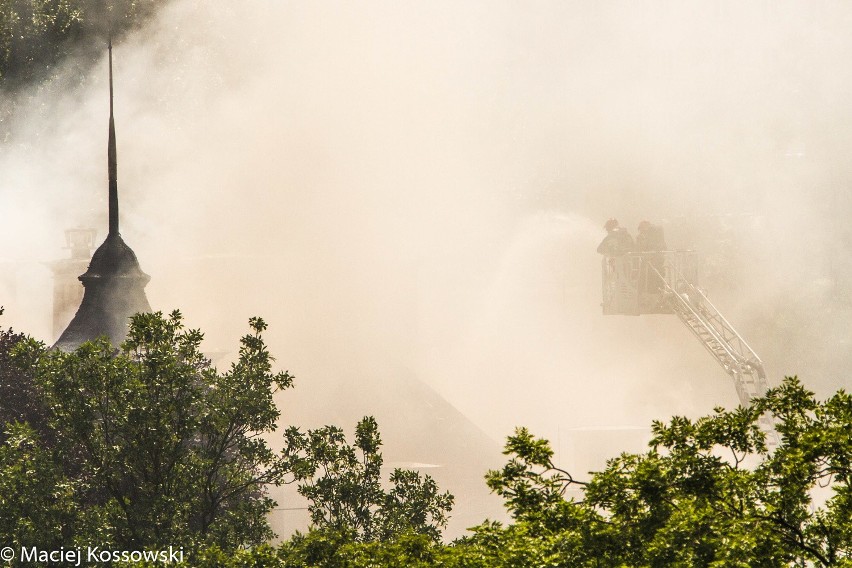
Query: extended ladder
[
  {"x": 664, "y": 282},
  {"x": 716, "y": 334}
]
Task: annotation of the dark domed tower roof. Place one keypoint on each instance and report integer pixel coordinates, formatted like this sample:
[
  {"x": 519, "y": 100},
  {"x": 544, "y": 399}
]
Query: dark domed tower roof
[
  {"x": 114, "y": 259},
  {"x": 114, "y": 283}
]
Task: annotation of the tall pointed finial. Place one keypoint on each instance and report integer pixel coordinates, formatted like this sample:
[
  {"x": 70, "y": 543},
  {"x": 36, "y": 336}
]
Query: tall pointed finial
[{"x": 111, "y": 159}]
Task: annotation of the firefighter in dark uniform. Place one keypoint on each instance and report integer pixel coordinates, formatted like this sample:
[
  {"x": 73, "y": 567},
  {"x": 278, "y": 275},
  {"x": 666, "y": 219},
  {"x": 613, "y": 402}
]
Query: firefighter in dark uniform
[
  {"x": 651, "y": 241},
  {"x": 617, "y": 240}
]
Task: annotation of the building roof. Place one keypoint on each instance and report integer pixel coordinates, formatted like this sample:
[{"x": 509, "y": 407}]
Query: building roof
[
  {"x": 114, "y": 282},
  {"x": 114, "y": 259}
]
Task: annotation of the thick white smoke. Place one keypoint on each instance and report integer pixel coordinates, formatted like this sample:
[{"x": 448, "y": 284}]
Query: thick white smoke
[{"x": 422, "y": 185}]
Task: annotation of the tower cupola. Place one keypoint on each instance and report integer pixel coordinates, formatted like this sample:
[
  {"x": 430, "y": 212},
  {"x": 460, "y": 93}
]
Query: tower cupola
[{"x": 114, "y": 284}]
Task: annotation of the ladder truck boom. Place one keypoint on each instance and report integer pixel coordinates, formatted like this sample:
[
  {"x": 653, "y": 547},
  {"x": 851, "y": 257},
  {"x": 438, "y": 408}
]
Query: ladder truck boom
[{"x": 665, "y": 282}]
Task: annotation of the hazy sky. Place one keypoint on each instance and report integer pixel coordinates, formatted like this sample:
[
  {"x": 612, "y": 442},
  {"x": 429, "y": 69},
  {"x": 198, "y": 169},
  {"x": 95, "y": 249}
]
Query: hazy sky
[{"x": 421, "y": 186}]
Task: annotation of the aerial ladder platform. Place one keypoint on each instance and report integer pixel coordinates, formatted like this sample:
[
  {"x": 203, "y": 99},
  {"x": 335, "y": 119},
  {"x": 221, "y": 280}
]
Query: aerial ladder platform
[{"x": 665, "y": 282}]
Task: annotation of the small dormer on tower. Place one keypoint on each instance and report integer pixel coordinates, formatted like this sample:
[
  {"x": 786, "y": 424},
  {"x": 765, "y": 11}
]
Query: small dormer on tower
[
  {"x": 114, "y": 284},
  {"x": 80, "y": 242}
]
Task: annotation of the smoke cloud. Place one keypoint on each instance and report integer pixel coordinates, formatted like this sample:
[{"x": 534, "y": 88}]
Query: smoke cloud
[{"x": 422, "y": 186}]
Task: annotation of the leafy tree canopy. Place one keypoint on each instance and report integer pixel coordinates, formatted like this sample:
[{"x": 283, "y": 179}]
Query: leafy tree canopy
[
  {"x": 37, "y": 34},
  {"x": 152, "y": 446},
  {"x": 709, "y": 492},
  {"x": 343, "y": 484},
  {"x": 20, "y": 398},
  {"x": 160, "y": 446}
]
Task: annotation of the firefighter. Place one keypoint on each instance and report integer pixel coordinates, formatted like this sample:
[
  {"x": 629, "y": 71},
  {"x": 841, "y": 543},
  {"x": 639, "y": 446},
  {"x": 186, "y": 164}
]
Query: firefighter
[
  {"x": 650, "y": 238},
  {"x": 651, "y": 241},
  {"x": 617, "y": 240}
]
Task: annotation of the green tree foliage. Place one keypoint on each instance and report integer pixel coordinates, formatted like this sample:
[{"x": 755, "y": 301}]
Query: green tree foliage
[
  {"x": 37, "y": 503},
  {"x": 320, "y": 549},
  {"x": 151, "y": 446},
  {"x": 36, "y": 499},
  {"x": 170, "y": 450},
  {"x": 409, "y": 550},
  {"x": 36, "y": 34},
  {"x": 20, "y": 397},
  {"x": 707, "y": 493},
  {"x": 344, "y": 486},
  {"x": 33, "y": 33}
]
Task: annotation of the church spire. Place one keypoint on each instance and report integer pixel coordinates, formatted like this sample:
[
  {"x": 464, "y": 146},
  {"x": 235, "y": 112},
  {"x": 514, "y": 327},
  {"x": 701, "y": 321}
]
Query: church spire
[
  {"x": 111, "y": 159},
  {"x": 114, "y": 284}
]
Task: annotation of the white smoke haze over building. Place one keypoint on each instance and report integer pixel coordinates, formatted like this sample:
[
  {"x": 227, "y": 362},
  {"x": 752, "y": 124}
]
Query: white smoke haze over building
[{"x": 419, "y": 188}]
